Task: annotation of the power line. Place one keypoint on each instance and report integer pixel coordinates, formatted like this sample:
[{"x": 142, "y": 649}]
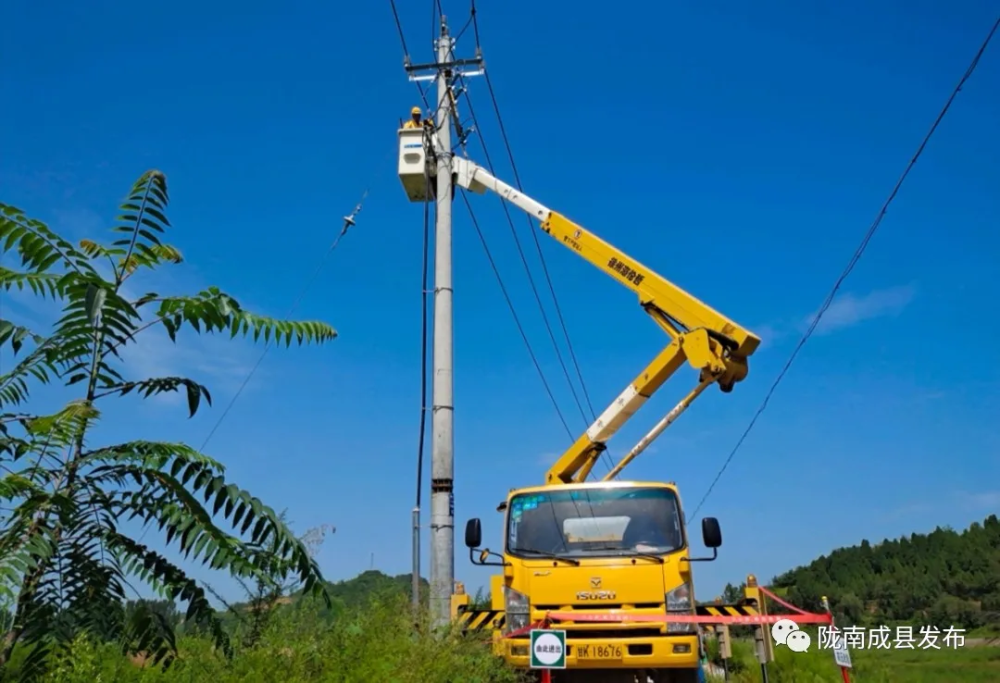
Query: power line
[
  {"x": 462, "y": 142},
  {"x": 406, "y": 57},
  {"x": 489, "y": 255},
  {"x": 474, "y": 20},
  {"x": 406, "y": 52},
  {"x": 349, "y": 220},
  {"x": 436, "y": 9},
  {"x": 503, "y": 288},
  {"x": 468, "y": 23},
  {"x": 435, "y": 12},
  {"x": 524, "y": 262},
  {"x": 510, "y": 305},
  {"x": 424, "y": 290},
  {"x": 538, "y": 248},
  {"x": 851, "y": 263},
  {"x": 399, "y": 28},
  {"x": 531, "y": 227},
  {"x": 513, "y": 312}
]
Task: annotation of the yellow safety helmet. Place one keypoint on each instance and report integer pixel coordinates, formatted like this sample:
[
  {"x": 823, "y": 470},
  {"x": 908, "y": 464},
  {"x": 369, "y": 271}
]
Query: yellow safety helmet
[{"x": 415, "y": 111}]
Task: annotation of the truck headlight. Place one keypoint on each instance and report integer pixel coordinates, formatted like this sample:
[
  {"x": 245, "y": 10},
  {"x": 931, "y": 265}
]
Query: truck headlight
[
  {"x": 679, "y": 602},
  {"x": 517, "y": 609}
]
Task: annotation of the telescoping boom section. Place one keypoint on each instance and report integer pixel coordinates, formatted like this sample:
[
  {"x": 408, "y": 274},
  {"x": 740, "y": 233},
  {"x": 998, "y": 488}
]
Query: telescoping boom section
[
  {"x": 699, "y": 335},
  {"x": 710, "y": 342}
]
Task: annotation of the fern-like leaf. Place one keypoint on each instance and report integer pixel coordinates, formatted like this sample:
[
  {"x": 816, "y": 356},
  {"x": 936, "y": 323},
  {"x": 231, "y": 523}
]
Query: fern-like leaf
[
  {"x": 160, "y": 385},
  {"x": 212, "y": 310},
  {"x": 63, "y": 557},
  {"x": 44, "y": 285}
]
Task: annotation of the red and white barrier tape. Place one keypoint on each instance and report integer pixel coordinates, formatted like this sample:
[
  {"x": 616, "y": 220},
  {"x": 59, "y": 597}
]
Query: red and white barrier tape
[{"x": 786, "y": 605}]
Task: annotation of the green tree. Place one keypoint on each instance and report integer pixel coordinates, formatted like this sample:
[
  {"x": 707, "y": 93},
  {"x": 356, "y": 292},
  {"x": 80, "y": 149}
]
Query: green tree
[
  {"x": 945, "y": 577},
  {"x": 732, "y": 595},
  {"x": 64, "y": 561},
  {"x": 273, "y": 587},
  {"x": 481, "y": 600}
]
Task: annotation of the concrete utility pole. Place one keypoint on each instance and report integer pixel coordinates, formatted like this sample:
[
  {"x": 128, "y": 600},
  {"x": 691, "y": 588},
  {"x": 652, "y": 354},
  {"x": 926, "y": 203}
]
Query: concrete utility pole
[
  {"x": 442, "y": 555},
  {"x": 443, "y": 416}
]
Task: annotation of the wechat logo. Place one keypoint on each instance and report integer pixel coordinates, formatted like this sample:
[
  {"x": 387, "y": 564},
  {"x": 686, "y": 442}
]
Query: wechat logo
[{"x": 786, "y": 632}]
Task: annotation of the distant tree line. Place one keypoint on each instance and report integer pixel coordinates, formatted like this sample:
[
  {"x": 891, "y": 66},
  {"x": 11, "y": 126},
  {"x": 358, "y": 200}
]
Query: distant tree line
[{"x": 943, "y": 578}]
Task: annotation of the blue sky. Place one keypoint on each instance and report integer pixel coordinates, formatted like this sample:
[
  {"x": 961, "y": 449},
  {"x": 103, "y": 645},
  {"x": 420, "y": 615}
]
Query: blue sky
[{"x": 740, "y": 151}]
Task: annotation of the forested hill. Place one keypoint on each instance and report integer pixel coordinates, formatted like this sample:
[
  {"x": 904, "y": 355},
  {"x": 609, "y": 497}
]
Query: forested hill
[
  {"x": 355, "y": 592},
  {"x": 942, "y": 578},
  {"x": 371, "y": 584}
]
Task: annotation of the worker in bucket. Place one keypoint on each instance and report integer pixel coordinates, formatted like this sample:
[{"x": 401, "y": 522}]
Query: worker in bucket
[{"x": 414, "y": 121}]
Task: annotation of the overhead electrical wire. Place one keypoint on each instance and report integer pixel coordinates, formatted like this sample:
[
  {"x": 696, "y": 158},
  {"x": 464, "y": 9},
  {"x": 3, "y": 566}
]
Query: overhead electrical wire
[
  {"x": 406, "y": 58},
  {"x": 531, "y": 227},
  {"x": 349, "y": 221},
  {"x": 851, "y": 263},
  {"x": 421, "y": 439},
  {"x": 538, "y": 248},
  {"x": 475, "y": 21},
  {"x": 524, "y": 262},
  {"x": 468, "y": 23},
  {"x": 524, "y": 337},
  {"x": 513, "y": 312},
  {"x": 531, "y": 353},
  {"x": 503, "y": 289},
  {"x": 435, "y": 26},
  {"x": 424, "y": 291},
  {"x": 510, "y": 305},
  {"x": 406, "y": 52}
]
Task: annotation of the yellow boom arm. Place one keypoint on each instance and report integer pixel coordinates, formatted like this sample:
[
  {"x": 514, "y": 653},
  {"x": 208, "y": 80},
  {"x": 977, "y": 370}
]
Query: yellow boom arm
[{"x": 710, "y": 342}]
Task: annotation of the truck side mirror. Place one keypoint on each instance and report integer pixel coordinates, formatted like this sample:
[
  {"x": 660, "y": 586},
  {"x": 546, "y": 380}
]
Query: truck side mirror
[
  {"x": 473, "y": 533},
  {"x": 711, "y": 534}
]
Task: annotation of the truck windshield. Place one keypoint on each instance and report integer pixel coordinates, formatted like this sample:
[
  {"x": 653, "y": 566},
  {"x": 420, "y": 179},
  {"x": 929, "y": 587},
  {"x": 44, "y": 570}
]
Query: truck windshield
[{"x": 594, "y": 522}]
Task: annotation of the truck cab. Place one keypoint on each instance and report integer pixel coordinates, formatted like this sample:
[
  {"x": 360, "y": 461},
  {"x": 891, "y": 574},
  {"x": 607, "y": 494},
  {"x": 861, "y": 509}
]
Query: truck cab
[{"x": 602, "y": 547}]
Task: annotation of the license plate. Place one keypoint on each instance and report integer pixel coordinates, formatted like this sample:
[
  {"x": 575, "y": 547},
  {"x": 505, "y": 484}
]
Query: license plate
[{"x": 597, "y": 651}]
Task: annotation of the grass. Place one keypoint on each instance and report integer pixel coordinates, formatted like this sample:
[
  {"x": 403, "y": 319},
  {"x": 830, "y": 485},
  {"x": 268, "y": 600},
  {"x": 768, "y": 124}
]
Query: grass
[
  {"x": 962, "y": 665},
  {"x": 300, "y": 646},
  {"x": 378, "y": 643}
]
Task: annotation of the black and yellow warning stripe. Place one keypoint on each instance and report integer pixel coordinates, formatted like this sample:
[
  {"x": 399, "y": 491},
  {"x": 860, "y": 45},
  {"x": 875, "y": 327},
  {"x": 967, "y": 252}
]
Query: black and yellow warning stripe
[
  {"x": 726, "y": 611},
  {"x": 479, "y": 619}
]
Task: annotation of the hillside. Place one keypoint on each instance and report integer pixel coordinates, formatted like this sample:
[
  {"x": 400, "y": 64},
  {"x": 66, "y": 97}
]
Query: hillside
[
  {"x": 944, "y": 577},
  {"x": 357, "y": 591}
]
